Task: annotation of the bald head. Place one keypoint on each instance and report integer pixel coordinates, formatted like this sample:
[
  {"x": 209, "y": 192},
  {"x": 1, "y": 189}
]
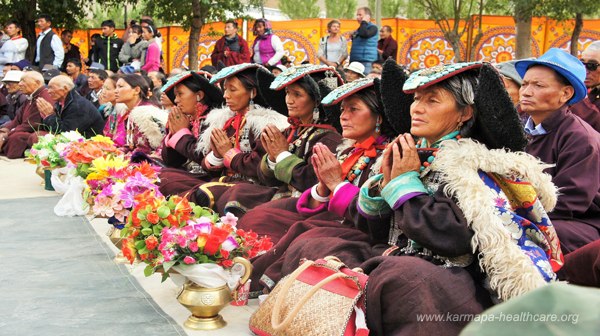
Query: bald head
[
  {"x": 59, "y": 87},
  {"x": 31, "y": 82}
]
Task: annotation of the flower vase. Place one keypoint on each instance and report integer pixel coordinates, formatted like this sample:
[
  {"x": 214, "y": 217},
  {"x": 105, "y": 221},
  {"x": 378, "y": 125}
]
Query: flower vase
[
  {"x": 206, "y": 303},
  {"x": 47, "y": 180},
  {"x": 40, "y": 171}
]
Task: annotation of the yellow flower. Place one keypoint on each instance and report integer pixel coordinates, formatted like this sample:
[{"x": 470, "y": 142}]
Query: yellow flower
[
  {"x": 102, "y": 164},
  {"x": 102, "y": 138}
]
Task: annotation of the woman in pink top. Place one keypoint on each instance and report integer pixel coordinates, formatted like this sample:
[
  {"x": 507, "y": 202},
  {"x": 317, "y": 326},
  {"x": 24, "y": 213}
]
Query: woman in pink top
[{"x": 152, "y": 54}]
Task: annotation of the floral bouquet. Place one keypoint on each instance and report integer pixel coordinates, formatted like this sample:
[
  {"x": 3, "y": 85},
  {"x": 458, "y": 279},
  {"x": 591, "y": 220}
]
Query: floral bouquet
[
  {"x": 81, "y": 154},
  {"x": 113, "y": 182},
  {"x": 204, "y": 249},
  {"x": 194, "y": 241},
  {"x": 47, "y": 151}
]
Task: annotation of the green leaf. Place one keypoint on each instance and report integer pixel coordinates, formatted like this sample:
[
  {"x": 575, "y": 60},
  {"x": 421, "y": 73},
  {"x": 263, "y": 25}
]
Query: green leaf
[
  {"x": 165, "y": 276},
  {"x": 156, "y": 230},
  {"x": 167, "y": 265},
  {"x": 143, "y": 250},
  {"x": 147, "y": 231},
  {"x": 140, "y": 244},
  {"x": 148, "y": 271},
  {"x": 163, "y": 211}
]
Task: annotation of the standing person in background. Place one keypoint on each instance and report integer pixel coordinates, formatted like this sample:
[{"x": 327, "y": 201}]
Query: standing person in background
[
  {"x": 71, "y": 50},
  {"x": 147, "y": 21},
  {"x": 364, "y": 40},
  {"x": 152, "y": 55},
  {"x": 73, "y": 70},
  {"x": 108, "y": 46},
  {"x": 133, "y": 48},
  {"x": 231, "y": 49},
  {"x": 91, "y": 57},
  {"x": 387, "y": 46},
  {"x": 333, "y": 49},
  {"x": 14, "y": 49},
  {"x": 267, "y": 47},
  {"x": 49, "y": 47}
]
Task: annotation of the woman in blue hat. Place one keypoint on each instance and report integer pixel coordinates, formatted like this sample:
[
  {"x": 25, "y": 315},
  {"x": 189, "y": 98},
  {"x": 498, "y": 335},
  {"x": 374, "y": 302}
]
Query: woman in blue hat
[
  {"x": 286, "y": 169},
  {"x": 228, "y": 147},
  {"x": 194, "y": 97},
  {"x": 551, "y": 84},
  {"x": 457, "y": 217}
]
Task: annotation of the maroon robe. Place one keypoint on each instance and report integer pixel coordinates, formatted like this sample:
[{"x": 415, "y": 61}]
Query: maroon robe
[
  {"x": 589, "y": 109},
  {"x": 24, "y": 126},
  {"x": 573, "y": 146},
  {"x": 242, "y": 197}
]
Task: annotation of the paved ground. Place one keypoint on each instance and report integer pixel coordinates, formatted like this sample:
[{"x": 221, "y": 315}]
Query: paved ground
[{"x": 19, "y": 182}]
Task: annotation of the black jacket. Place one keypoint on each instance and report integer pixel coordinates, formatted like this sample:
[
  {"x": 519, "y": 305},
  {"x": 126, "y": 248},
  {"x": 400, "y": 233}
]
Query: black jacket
[
  {"x": 78, "y": 114},
  {"x": 106, "y": 51}
]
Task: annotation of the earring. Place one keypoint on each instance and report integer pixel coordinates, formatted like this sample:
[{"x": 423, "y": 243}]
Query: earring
[
  {"x": 316, "y": 114},
  {"x": 377, "y": 127},
  {"x": 198, "y": 99},
  {"x": 460, "y": 124}
]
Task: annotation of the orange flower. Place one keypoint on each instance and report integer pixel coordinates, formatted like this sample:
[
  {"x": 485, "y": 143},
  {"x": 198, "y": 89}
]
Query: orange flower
[
  {"x": 151, "y": 243},
  {"x": 152, "y": 217}
]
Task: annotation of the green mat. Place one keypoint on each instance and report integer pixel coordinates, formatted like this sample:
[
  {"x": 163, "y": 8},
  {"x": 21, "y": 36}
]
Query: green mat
[{"x": 58, "y": 278}]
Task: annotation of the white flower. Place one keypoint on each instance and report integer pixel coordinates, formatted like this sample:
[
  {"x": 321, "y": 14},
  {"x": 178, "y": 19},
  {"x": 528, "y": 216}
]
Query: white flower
[
  {"x": 72, "y": 136},
  {"x": 43, "y": 153}
]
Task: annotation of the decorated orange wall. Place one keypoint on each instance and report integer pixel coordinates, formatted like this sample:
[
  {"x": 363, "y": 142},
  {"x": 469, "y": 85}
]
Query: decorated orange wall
[{"x": 420, "y": 42}]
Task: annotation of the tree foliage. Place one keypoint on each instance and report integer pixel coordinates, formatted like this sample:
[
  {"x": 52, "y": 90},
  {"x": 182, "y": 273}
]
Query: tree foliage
[
  {"x": 453, "y": 18},
  {"x": 65, "y": 14},
  {"x": 340, "y": 9},
  {"x": 192, "y": 15},
  {"x": 300, "y": 9},
  {"x": 390, "y": 8}
]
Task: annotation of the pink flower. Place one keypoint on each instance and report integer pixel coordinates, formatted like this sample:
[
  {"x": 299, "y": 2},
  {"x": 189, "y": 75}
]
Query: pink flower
[
  {"x": 189, "y": 260},
  {"x": 230, "y": 219},
  {"x": 193, "y": 246},
  {"x": 229, "y": 244}
]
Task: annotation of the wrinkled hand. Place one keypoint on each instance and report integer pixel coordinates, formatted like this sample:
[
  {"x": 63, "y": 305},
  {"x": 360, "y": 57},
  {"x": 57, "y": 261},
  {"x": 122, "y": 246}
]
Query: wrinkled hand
[
  {"x": 400, "y": 157},
  {"x": 273, "y": 141},
  {"x": 327, "y": 167},
  {"x": 177, "y": 120},
  {"x": 46, "y": 109},
  {"x": 220, "y": 142}
]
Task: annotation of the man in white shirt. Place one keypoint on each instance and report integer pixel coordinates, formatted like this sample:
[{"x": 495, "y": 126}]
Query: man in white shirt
[
  {"x": 14, "y": 49},
  {"x": 49, "y": 47}
]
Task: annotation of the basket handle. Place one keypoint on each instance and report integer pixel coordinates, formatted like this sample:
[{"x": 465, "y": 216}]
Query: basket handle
[{"x": 285, "y": 288}]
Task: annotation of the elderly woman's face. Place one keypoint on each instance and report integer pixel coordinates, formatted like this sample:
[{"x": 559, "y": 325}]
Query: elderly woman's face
[
  {"x": 186, "y": 99},
  {"x": 542, "y": 92},
  {"x": 434, "y": 113},
  {"x": 358, "y": 123}
]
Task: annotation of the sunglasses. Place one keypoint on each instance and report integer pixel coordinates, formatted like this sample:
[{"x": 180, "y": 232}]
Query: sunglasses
[{"x": 591, "y": 66}]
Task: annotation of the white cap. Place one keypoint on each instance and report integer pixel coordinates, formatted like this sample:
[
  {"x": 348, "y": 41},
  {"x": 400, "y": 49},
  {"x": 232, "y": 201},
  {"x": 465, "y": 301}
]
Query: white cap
[
  {"x": 356, "y": 67},
  {"x": 13, "y": 76}
]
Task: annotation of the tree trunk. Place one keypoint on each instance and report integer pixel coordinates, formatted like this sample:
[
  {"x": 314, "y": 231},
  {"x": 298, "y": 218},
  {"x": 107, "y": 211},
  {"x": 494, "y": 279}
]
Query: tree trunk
[
  {"x": 197, "y": 23},
  {"x": 523, "y": 29},
  {"x": 454, "y": 41},
  {"x": 26, "y": 18},
  {"x": 576, "y": 32}
]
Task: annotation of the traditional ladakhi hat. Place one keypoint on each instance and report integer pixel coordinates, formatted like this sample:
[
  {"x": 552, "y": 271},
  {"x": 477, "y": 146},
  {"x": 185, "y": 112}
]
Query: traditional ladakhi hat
[
  {"x": 497, "y": 123},
  {"x": 321, "y": 79},
  {"x": 336, "y": 96},
  {"x": 563, "y": 63},
  {"x": 202, "y": 78},
  {"x": 238, "y": 69}
]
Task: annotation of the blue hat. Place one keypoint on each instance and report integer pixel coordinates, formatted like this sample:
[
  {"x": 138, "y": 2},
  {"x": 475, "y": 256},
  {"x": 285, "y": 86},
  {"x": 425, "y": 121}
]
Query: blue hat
[
  {"x": 347, "y": 90},
  {"x": 565, "y": 64},
  {"x": 291, "y": 75},
  {"x": 213, "y": 95},
  {"x": 22, "y": 64},
  {"x": 232, "y": 70},
  {"x": 127, "y": 69},
  {"x": 427, "y": 77}
]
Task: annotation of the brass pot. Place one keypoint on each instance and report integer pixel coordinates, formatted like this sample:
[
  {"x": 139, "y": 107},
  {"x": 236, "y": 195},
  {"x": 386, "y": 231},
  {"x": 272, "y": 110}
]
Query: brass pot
[
  {"x": 114, "y": 235},
  {"x": 206, "y": 303}
]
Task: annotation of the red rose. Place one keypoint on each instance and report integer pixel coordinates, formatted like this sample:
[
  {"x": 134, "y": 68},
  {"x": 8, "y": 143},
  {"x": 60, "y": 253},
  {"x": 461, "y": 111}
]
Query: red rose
[
  {"x": 151, "y": 243},
  {"x": 152, "y": 218},
  {"x": 227, "y": 263}
]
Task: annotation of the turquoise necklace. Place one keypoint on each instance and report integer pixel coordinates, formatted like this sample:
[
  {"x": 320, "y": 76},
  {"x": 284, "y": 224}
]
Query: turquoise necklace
[{"x": 422, "y": 144}]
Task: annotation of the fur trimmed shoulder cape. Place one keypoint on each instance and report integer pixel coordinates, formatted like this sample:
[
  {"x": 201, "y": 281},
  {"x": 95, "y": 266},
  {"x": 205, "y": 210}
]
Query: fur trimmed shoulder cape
[
  {"x": 510, "y": 271},
  {"x": 151, "y": 122},
  {"x": 256, "y": 119}
]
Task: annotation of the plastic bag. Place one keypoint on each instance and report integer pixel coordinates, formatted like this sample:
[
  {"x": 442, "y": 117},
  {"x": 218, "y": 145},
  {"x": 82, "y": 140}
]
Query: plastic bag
[{"x": 72, "y": 202}]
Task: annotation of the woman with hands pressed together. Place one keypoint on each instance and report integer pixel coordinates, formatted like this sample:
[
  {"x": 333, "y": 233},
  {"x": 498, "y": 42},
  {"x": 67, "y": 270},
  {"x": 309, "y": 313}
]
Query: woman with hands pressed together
[
  {"x": 366, "y": 130},
  {"x": 194, "y": 98},
  {"x": 285, "y": 170},
  {"x": 457, "y": 219},
  {"x": 229, "y": 143}
]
